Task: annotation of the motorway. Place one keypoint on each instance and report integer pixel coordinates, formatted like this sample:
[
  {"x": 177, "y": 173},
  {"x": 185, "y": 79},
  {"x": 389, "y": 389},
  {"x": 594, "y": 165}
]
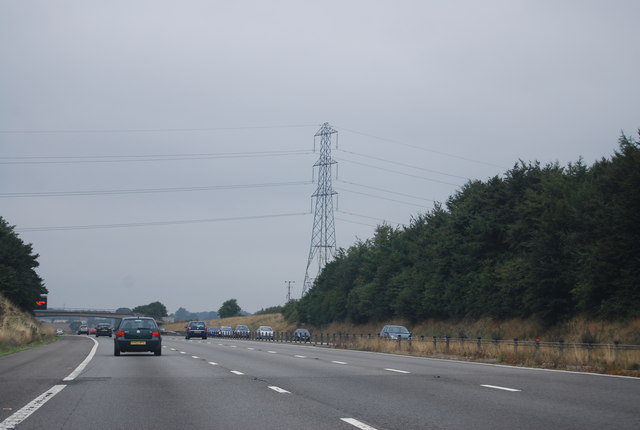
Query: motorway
[{"x": 225, "y": 383}]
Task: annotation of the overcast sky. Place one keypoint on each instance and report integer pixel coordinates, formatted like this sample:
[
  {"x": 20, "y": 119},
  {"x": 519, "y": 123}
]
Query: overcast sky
[{"x": 221, "y": 100}]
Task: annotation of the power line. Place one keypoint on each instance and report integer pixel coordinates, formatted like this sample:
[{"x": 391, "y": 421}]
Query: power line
[
  {"x": 153, "y": 223},
  {"x": 382, "y": 198},
  {"x": 386, "y": 191},
  {"x": 150, "y": 190},
  {"x": 421, "y": 148},
  {"x": 355, "y": 222},
  {"x": 145, "y": 158},
  {"x": 368, "y": 217},
  {"x": 405, "y": 165},
  {"x": 397, "y": 172},
  {"x": 151, "y": 130}
]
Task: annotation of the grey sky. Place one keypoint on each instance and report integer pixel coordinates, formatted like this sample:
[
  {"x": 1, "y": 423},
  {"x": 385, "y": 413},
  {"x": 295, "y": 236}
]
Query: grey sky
[{"x": 423, "y": 94}]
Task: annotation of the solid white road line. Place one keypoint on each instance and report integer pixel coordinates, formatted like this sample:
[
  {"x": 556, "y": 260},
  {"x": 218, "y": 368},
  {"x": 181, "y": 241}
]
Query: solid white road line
[
  {"x": 500, "y": 388},
  {"x": 279, "y": 390},
  {"x": 357, "y": 424},
  {"x": 236, "y": 372},
  {"x": 73, "y": 375},
  {"x": 24, "y": 413},
  {"x": 397, "y": 371},
  {"x": 339, "y": 362}
]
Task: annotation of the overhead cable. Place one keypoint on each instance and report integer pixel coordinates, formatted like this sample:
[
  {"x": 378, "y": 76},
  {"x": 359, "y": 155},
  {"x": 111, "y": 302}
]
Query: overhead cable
[
  {"x": 397, "y": 172},
  {"x": 420, "y": 148},
  {"x": 145, "y": 158},
  {"x": 149, "y": 130},
  {"x": 150, "y": 190},
  {"x": 153, "y": 223}
]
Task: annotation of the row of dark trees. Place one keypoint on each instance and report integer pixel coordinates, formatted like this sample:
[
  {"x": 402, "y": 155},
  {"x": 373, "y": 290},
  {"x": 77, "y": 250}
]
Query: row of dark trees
[
  {"x": 547, "y": 242},
  {"x": 19, "y": 281}
]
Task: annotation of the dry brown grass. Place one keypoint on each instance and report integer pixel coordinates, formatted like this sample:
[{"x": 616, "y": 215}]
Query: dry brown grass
[
  {"x": 609, "y": 359},
  {"x": 18, "y": 328}
]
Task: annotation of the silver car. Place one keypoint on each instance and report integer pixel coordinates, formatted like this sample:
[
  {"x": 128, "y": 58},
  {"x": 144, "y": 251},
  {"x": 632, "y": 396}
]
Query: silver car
[
  {"x": 264, "y": 332},
  {"x": 395, "y": 332}
]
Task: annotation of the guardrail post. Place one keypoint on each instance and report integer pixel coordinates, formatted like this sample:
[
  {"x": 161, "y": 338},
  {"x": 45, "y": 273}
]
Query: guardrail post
[
  {"x": 479, "y": 344},
  {"x": 435, "y": 346},
  {"x": 561, "y": 342},
  {"x": 446, "y": 340},
  {"x": 616, "y": 345},
  {"x": 537, "y": 347},
  {"x": 515, "y": 345}
]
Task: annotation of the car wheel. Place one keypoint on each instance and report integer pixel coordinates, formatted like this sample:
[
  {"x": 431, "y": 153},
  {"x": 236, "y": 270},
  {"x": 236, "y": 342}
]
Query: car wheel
[
  {"x": 204, "y": 337},
  {"x": 116, "y": 350},
  {"x": 186, "y": 337},
  {"x": 158, "y": 352}
]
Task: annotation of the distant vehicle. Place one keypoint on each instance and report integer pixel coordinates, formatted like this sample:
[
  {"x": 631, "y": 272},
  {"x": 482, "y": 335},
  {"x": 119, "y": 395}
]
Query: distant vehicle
[
  {"x": 104, "y": 329},
  {"x": 213, "y": 331},
  {"x": 92, "y": 330},
  {"x": 395, "y": 332},
  {"x": 137, "y": 334},
  {"x": 59, "y": 332},
  {"x": 196, "y": 329},
  {"x": 302, "y": 335},
  {"x": 264, "y": 332},
  {"x": 226, "y": 331},
  {"x": 241, "y": 331},
  {"x": 83, "y": 329}
]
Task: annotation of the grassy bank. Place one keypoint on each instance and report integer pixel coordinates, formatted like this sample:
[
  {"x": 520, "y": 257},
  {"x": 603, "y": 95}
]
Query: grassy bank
[{"x": 20, "y": 330}]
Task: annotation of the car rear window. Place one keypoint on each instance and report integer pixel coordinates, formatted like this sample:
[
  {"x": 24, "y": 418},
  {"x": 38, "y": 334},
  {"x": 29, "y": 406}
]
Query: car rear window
[{"x": 133, "y": 324}]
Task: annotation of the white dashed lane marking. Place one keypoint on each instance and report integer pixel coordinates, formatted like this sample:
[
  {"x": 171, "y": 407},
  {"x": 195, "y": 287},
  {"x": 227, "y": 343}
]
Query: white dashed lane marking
[
  {"x": 194, "y": 356},
  {"x": 300, "y": 356},
  {"x": 397, "y": 371},
  {"x": 357, "y": 424},
  {"x": 213, "y": 364},
  {"x": 500, "y": 388},
  {"x": 339, "y": 362},
  {"x": 279, "y": 390},
  {"x": 236, "y": 372}
]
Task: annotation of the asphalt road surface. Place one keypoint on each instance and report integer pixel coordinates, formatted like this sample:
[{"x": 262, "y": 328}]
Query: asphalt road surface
[{"x": 236, "y": 384}]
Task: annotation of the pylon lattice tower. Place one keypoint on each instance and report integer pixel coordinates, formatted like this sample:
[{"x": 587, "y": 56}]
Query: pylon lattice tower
[{"x": 323, "y": 237}]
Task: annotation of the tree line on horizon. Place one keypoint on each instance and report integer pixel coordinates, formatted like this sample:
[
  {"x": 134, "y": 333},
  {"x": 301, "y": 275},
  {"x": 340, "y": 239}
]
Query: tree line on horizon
[{"x": 545, "y": 242}]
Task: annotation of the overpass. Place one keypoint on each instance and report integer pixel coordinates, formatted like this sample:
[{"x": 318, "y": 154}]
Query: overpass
[
  {"x": 94, "y": 313},
  {"x": 72, "y": 317}
]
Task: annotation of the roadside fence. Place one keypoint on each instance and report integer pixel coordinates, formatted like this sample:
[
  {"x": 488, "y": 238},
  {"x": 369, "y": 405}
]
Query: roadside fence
[{"x": 562, "y": 355}]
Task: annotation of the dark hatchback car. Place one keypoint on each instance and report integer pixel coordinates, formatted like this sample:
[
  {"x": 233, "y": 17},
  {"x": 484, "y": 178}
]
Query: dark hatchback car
[
  {"x": 137, "y": 334},
  {"x": 104, "y": 329},
  {"x": 196, "y": 329},
  {"x": 302, "y": 335}
]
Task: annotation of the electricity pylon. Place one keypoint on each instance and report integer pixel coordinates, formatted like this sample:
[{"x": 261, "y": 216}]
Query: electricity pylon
[{"x": 323, "y": 237}]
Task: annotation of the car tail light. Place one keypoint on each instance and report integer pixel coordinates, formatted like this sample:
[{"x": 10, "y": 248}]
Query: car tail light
[
  {"x": 120, "y": 333},
  {"x": 155, "y": 333}
]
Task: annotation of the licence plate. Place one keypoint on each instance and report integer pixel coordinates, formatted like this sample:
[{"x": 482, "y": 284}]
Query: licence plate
[{"x": 138, "y": 342}]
